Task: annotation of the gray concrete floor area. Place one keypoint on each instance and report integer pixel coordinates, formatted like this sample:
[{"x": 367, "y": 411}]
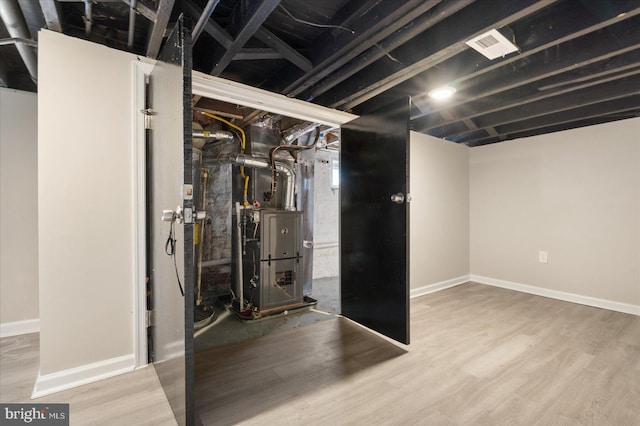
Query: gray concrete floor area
[{"x": 228, "y": 329}]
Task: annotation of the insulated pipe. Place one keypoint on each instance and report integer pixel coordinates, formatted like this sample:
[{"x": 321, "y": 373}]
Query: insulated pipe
[
  {"x": 132, "y": 23},
  {"x": 17, "y": 28},
  {"x": 217, "y": 135},
  {"x": 284, "y": 168},
  {"x": 17, "y": 40}
]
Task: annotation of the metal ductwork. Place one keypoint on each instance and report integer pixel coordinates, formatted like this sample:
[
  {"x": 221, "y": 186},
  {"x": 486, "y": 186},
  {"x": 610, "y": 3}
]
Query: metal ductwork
[
  {"x": 17, "y": 28},
  {"x": 283, "y": 168},
  {"x": 297, "y": 131}
]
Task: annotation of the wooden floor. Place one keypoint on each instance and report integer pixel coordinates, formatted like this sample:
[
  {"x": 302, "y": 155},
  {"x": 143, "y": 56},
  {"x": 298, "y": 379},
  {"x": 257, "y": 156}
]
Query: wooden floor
[
  {"x": 130, "y": 399},
  {"x": 479, "y": 356}
]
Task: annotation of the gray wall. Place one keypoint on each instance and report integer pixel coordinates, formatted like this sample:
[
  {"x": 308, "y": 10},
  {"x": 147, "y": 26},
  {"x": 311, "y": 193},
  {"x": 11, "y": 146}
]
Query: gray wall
[
  {"x": 18, "y": 211},
  {"x": 439, "y": 236},
  {"x": 574, "y": 194}
]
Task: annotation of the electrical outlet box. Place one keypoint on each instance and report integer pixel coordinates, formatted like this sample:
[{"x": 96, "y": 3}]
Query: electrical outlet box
[{"x": 543, "y": 256}]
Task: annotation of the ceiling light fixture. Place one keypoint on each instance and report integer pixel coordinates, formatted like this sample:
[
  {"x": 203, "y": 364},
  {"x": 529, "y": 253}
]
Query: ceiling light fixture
[{"x": 441, "y": 93}]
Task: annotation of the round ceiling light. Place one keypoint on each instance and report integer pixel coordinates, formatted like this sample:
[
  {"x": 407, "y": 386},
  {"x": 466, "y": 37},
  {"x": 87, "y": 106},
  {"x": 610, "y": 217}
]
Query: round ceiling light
[{"x": 442, "y": 93}]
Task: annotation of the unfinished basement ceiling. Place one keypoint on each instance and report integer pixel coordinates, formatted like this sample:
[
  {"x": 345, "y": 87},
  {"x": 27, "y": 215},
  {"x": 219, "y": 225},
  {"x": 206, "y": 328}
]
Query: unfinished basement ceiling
[{"x": 577, "y": 62}]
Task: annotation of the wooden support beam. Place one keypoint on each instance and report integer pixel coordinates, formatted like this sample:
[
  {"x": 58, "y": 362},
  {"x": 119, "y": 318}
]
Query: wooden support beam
[{"x": 254, "y": 18}]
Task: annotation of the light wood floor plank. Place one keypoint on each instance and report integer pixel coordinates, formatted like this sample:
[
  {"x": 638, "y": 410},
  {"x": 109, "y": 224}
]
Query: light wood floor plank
[
  {"x": 129, "y": 399},
  {"x": 479, "y": 356}
]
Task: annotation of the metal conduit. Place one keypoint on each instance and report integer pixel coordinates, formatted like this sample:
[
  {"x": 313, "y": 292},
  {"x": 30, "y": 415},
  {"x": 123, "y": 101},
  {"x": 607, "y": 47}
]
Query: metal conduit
[
  {"x": 206, "y": 14},
  {"x": 17, "y": 28},
  {"x": 88, "y": 19},
  {"x": 132, "y": 23}
]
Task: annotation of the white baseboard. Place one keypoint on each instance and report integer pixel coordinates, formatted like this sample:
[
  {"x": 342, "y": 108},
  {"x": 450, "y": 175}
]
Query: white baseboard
[
  {"x": 611, "y": 305},
  {"x": 73, "y": 377},
  {"x": 432, "y": 288},
  {"x": 16, "y": 328}
]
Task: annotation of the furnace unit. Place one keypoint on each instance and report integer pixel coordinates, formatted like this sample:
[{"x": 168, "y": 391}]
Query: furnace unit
[{"x": 272, "y": 259}]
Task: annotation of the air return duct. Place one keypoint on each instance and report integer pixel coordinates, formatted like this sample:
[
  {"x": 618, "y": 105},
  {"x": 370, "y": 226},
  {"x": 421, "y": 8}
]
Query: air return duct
[{"x": 492, "y": 44}]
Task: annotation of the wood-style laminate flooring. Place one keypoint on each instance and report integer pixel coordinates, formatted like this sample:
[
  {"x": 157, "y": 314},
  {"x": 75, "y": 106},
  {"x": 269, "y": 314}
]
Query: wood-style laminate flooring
[
  {"x": 479, "y": 356},
  {"x": 130, "y": 399}
]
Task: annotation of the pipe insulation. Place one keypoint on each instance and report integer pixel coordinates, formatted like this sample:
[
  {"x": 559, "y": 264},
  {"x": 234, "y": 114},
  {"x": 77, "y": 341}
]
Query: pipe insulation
[
  {"x": 282, "y": 168},
  {"x": 217, "y": 135},
  {"x": 17, "y": 27}
]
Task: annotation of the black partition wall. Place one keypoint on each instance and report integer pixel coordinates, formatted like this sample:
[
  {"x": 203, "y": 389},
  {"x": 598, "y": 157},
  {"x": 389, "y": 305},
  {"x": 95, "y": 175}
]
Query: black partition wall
[{"x": 374, "y": 220}]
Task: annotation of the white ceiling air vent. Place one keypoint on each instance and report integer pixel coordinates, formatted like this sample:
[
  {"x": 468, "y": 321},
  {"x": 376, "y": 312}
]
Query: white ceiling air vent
[{"x": 492, "y": 44}]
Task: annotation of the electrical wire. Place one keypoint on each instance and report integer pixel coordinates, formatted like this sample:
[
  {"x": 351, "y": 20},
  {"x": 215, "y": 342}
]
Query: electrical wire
[
  {"x": 340, "y": 27},
  {"x": 387, "y": 54},
  {"x": 314, "y": 24},
  {"x": 243, "y": 143},
  {"x": 170, "y": 249}
]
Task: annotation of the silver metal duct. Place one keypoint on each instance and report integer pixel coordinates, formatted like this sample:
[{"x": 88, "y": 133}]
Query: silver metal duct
[
  {"x": 283, "y": 168},
  {"x": 17, "y": 28},
  {"x": 298, "y": 130}
]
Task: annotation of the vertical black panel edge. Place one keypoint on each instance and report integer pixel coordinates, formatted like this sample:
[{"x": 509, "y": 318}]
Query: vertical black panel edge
[{"x": 408, "y": 220}]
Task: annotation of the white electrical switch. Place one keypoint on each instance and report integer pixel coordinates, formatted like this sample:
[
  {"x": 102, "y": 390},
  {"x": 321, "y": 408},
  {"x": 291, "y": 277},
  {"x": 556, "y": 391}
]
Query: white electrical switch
[{"x": 543, "y": 256}]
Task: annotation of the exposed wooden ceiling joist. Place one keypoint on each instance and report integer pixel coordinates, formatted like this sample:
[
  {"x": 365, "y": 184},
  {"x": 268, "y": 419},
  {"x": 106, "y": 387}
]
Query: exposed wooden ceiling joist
[
  {"x": 397, "y": 39},
  {"x": 211, "y": 27},
  {"x": 51, "y": 15},
  {"x": 250, "y": 23},
  {"x": 590, "y": 95},
  {"x": 159, "y": 26},
  {"x": 287, "y": 52},
  {"x": 577, "y": 62},
  {"x": 616, "y": 106},
  {"x": 432, "y": 47},
  {"x": 363, "y": 29}
]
